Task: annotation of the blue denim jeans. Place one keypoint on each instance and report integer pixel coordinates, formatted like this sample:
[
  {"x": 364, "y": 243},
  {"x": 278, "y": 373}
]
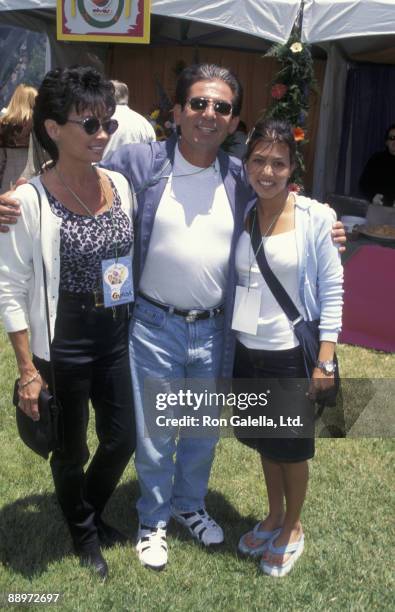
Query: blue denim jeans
[{"x": 166, "y": 347}]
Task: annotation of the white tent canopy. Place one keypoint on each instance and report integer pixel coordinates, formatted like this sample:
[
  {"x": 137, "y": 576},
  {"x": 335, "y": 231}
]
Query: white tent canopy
[
  {"x": 16, "y": 5},
  {"x": 358, "y": 26},
  {"x": 268, "y": 19},
  {"x": 328, "y": 20}
]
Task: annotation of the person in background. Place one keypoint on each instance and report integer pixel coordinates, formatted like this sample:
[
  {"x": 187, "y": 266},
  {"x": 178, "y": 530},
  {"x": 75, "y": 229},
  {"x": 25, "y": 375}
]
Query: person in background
[
  {"x": 15, "y": 131},
  {"x": 296, "y": 238},
  {"x": 87, "y": 217},
  {"x": 132, "y": 127},
  {"x": 238, "y": 145},
  {"x": 377, "y": 181}
]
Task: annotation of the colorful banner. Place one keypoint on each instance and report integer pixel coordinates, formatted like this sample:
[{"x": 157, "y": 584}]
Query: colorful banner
[{"x": 104, "y": 20}]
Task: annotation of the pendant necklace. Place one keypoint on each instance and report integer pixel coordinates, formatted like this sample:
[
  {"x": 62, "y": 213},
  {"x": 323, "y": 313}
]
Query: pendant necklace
[
  {"x": 274, "y": 221},
  {"x": 87, "y": 210}
]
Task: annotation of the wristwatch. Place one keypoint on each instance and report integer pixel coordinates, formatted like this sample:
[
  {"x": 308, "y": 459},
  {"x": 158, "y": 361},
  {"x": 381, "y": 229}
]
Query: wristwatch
[{"x": 327, "y": 367}]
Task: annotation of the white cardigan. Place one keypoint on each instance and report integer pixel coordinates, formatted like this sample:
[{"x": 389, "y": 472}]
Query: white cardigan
[{"x": 22, "y": 302}]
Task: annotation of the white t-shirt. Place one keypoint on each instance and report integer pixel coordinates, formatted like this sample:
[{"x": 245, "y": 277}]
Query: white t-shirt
[
  {"x": 188, "y": 254},
  {"x": 274, "y": 332},
  {"x": 132, "y": 127}
]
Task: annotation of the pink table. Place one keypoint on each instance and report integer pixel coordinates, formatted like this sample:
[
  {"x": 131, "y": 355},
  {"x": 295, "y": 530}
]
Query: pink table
[{"x": 369, "y": 298}]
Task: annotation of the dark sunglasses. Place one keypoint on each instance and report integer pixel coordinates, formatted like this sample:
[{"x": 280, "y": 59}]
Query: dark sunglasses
[
  {"x": 92, "y": 125},
  {"x": 219, "y": 106}
]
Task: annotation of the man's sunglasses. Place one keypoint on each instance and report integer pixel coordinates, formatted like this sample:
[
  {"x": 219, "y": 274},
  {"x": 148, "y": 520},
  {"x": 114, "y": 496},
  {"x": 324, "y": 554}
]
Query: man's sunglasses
[
  {"x": 92, "y": 125},
  {"x": 220, "y": 106}
]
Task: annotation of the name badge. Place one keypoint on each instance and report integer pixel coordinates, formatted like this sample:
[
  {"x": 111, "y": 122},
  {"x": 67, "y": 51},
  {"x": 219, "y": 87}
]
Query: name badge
[
  {"x": 117, "y": 278},
  {"x": 246, "y": 310}
]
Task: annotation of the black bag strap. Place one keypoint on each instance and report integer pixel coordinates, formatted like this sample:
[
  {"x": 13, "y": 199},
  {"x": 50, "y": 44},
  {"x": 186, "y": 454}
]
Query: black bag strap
[
  {"x": 46, "y": 304},
  {"x": 271, "y": 279}
]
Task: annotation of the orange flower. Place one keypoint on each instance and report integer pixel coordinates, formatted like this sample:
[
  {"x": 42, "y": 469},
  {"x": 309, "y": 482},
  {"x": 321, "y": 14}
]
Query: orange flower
[
  {"x": 278, "y": 91},
  {"x": 298, "y": 134}
]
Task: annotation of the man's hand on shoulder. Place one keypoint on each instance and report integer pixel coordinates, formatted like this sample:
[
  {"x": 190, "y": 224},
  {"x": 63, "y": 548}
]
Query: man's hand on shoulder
[
  {"x": 9, "y": 208},
  {"x": 338, "y": 233},
  {"x": 339, "y": 236}
]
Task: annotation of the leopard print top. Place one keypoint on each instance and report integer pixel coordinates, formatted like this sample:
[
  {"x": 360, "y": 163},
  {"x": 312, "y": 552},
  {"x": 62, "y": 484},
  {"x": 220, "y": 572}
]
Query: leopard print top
[{"x": 85, "y": 242}]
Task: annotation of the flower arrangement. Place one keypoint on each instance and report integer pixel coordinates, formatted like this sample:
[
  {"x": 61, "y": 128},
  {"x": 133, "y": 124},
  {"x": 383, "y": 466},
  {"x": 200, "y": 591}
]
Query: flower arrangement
[
  {"x": 290, "y": 91},
  {"x": 162, "y": 122},
  {"x": 161, "y": 116}
]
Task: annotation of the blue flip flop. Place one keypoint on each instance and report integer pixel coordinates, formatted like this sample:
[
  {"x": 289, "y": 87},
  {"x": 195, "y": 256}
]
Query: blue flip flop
[
  {"x": 295, "y": 549},
  {"x": 261, "y": 538}
]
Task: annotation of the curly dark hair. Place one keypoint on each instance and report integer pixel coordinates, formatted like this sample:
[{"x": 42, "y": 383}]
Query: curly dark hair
[
  {"x": 272, "y": 130},
  {"x": 208, "y": 72},
  {"x": 78, "y": 87}
]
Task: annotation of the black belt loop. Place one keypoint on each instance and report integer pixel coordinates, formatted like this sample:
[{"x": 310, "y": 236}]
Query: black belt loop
[{"x": 190, "y": 315}]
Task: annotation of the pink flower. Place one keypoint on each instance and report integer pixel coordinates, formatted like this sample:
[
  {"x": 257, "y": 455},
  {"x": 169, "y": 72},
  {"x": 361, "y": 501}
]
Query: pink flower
[
  {"x": 278, "y": 91},
  {"x": 294, "y": 187}
]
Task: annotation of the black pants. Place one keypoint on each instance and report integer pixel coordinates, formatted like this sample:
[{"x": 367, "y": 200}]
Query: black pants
[
  {"x": 91, "y": 361},
  {"x": 287, "y": 364}
]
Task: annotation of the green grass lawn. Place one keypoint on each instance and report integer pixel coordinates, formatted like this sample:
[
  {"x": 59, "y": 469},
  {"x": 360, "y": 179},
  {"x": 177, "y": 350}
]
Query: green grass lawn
[{"x": 348, "y": 521}]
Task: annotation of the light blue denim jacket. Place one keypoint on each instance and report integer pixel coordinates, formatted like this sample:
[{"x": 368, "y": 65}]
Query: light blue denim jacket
[{"x": 147, "y": 167}]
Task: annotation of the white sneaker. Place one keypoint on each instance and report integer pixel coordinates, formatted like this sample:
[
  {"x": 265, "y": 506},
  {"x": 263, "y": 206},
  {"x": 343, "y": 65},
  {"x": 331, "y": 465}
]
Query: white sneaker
[
  {"x": 151, "y": 547},
  {"x": 201, "y": 526}
]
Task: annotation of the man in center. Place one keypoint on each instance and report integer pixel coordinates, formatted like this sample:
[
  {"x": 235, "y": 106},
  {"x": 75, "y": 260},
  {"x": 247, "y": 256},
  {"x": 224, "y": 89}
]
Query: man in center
[{"x": 190, "y": 214}]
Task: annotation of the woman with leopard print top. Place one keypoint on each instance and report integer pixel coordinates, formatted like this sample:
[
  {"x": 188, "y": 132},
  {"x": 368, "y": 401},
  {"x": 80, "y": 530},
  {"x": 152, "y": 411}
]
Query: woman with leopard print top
[{"x": 84, "y": 227}]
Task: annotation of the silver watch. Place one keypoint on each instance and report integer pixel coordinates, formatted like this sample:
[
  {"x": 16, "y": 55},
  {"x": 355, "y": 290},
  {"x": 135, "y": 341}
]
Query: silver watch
[{"x": 327, "y": 367}]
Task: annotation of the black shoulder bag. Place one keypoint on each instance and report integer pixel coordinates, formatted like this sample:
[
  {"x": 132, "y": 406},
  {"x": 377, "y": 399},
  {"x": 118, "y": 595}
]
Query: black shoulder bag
[
  {"x": 307, "y": 332},
  {"x": 46, "y": 434}
]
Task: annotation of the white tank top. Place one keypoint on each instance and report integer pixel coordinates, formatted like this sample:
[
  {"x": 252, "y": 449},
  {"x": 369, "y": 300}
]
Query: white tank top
[{"x": 275, "y": 332}]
